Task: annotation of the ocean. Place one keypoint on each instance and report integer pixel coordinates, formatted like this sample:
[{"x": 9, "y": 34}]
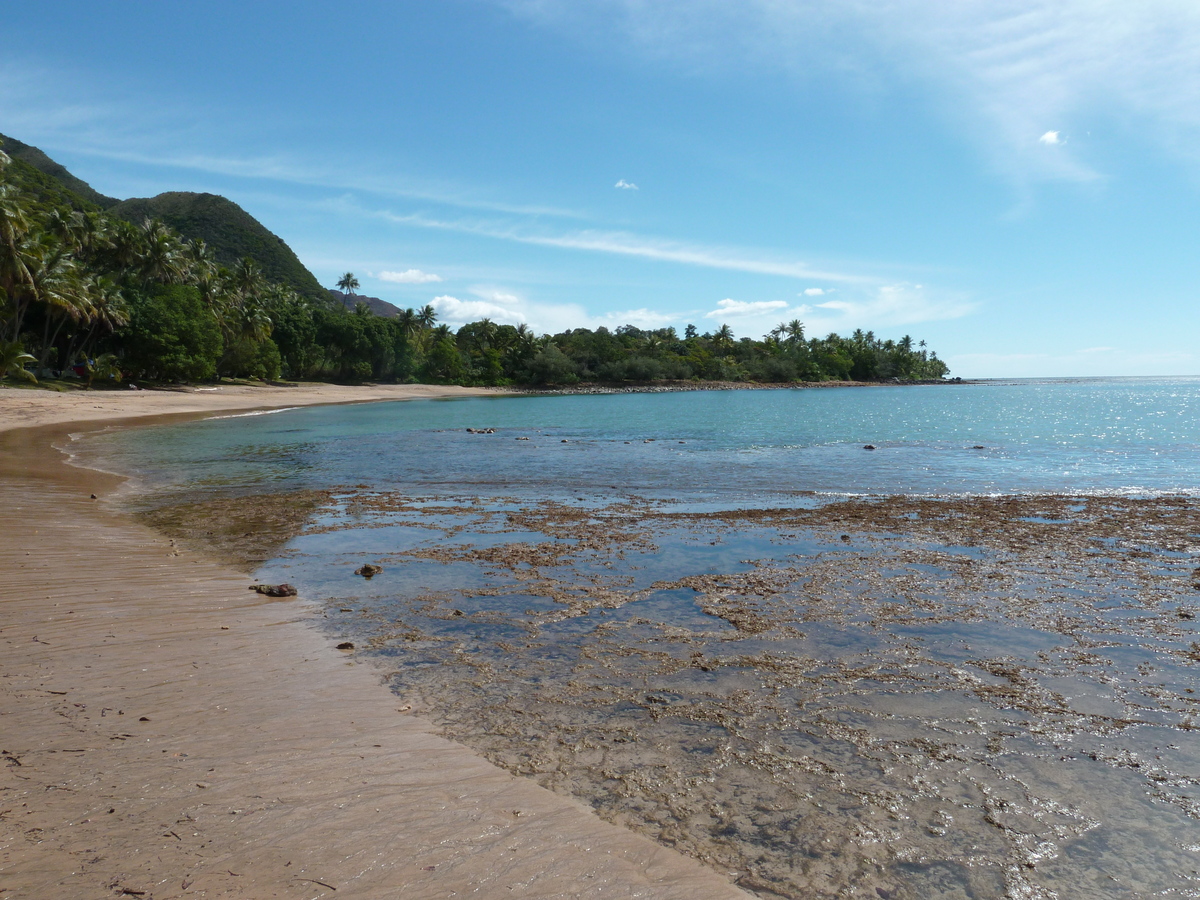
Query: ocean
[{"x": 960, "y": 664}]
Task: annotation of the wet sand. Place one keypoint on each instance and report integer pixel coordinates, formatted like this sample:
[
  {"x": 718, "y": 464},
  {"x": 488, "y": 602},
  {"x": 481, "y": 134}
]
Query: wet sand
[{"x": 165, "y": 732}]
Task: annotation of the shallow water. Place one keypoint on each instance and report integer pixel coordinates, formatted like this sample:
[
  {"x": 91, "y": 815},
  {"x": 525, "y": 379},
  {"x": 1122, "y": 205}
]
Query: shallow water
[
  {"x": 1132, "y": 436},
  {"x": 898, "y": 698}
]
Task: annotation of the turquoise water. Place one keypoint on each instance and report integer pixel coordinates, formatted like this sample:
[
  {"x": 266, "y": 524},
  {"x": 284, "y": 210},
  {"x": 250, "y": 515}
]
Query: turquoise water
[{"x": 1103, "y": 436}]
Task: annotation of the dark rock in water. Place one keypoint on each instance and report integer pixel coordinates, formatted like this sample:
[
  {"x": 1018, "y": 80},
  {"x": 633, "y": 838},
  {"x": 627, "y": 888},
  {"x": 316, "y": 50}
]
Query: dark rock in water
[
  {"x": 458, "y": 612},
  {"x": 979, "y": 447},
  {"x": 482, "y": 431},
  {"x": 868, "y": 446},
  {"x": 845, "y": 537},
  {"x": 346, "y": 645},
  {"x": 368, "y": 571},
  {"x": 274, "y": 590}
]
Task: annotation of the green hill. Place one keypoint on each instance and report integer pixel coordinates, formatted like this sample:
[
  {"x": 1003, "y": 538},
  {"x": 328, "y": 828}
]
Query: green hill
[
  {"x": 230, "y": 231},
  {"x": 40, "y": 161}
]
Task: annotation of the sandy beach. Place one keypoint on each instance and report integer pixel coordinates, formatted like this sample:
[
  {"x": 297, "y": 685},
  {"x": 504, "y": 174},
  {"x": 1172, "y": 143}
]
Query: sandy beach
[{"x": 167, "y": 733}]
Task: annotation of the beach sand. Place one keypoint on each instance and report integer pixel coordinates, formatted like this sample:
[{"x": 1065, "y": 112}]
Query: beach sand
[{"x": 165, "y": 732}]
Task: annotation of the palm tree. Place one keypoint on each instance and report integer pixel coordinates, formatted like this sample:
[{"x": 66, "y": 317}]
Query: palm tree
[
  {"x": 162, "y": 258},
  {"x": 794, "y": 331},
  {"x": 723, "y": 338},
  {"x": 14, "y": 272},
  {"x": 200, "y": 258},
  {"x": 14, "y": 359},
  {"x": 247, "y": 278},
  {"x": 426, "y": 316},
  {"x": 348, "y": 283},
  {"x": 485, "y": 333}
]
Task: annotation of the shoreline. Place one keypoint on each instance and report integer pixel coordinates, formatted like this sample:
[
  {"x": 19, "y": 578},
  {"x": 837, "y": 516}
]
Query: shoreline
[
  {"x": 227, "y": 749},
  {"x": 674, "y": 387}
]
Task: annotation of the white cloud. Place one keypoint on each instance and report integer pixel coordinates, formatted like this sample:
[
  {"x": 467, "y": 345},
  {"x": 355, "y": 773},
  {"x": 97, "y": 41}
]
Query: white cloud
[
  {"x": 739, "y": 308},
  {"x": 814, "y": 292},
  {"x": 1051, "y": 138},
  {"x": 626, "y": 185},
  {"x": 456, "y": 313},
  {"x": 409, "y": 276},
  {"x": 505, "y": 307},
  {"x": 496, "y": 295}
]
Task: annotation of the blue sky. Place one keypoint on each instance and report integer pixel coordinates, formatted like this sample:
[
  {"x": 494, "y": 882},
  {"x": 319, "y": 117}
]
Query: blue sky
[{"x": 1014, "y": 181}]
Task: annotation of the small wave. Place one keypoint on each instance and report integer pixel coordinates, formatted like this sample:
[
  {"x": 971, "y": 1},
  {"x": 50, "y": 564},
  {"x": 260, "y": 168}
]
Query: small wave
[{"x": 256, "y": 412}]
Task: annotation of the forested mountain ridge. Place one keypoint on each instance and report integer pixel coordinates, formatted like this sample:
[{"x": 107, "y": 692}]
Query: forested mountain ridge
[
  {"x": 374, "y": 304},
  {"x": 228, "y": 230},
  {"x": 43, "y": 163}
]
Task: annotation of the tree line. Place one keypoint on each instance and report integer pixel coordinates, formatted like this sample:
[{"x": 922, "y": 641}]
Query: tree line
[{"x": 96, "y": 296}]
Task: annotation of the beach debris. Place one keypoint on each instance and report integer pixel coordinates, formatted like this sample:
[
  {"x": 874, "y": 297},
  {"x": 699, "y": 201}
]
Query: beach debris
[
  {"x": 274, "y": 590},
  {"x": 346, "y": 645},
  {"x": 321, "y": 883},
  {"x": 368, "y": 571},
  {"x": 481, "y": 431},
  {"x": 144, "y": 719},
  {"x": 868, "y": 446},
  {"x": 94, "y": 497},
  {"x": 125, "y": 891}
]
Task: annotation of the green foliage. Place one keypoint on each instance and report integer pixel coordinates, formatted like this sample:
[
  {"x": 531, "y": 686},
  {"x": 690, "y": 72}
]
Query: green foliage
[
  {"x": 551, "y": 366},
  {"x": 171, "y": 336},
  {"x": 13, "y": 360},
  {"x": 230, "y": 232}
]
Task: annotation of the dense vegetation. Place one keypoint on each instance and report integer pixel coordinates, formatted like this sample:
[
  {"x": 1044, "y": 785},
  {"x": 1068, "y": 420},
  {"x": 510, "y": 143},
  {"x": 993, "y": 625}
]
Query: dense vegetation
[
  {"x": 231, "y": 233},
  {"x": 86, "y": 291}
]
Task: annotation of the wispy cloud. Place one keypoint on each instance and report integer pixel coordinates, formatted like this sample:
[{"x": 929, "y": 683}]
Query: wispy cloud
[
  {"x": 995, "y": 70},
  {"x": 70, "y": 111},
  {"x": 626, "y": 244},
  {"x": 877, "y": 307},
  {"x": 739, "y": 308},
  {"x": 409, "y": 276},
  {"x": 814, "y": 292},
  {"x": 626, "y": 185}
]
